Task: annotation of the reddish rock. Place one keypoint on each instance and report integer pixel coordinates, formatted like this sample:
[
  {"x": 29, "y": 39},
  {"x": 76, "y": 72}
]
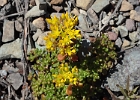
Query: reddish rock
[{"x": 112, "y": 36}]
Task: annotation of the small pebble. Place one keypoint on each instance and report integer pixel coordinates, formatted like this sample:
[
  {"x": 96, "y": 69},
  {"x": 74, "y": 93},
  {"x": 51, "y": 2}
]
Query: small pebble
[{"x": 130, "y": 24}]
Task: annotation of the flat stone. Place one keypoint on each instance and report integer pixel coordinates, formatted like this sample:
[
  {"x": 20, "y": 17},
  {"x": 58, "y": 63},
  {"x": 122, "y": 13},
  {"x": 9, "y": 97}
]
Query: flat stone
[
  {"x": 82, "y": 22},
  {"x": 92, "y": 16},
  {"x": 112, "y": 36},
  {"x": 3, "y": 73},
  {"x": 128, "y": 67},
  {"x": 134, "y": 2},
  {"x": 34, "y": 12},
  {"x": 18, "y": 26},
  {"x": 134, "y": 15},
  {"x": 56, "y": 2},
  {"x": 3, "y": 2},
  {"x": 83, "y": 12},
  {"x": 121, "y": 18},
  {"x": 75, "y": 12},
  {"x": 118, "y": 42},
  {"x": 130, "y": 24},
  {"x": 123, "y": 31},
  {"x": 137, "y": 9},
  {"x": 15, "y": 79},
  {"x": 39, "y": 23},
  {"x": 84, "y": 4},
  {"x": 99, "y": 5},
  {"x": 133, "y": 36},
  {"x": 8, "y": 31},
  {"x": 126, "y": 43},
  {"x": 9, "y": 68},
  {"x": 126, "y": 6},
  {"x": 12, "y": 50},
  {"x": 126, "y": 14}
]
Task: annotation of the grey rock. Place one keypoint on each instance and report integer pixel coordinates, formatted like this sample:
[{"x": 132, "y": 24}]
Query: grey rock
[
  {"x": 9, "y": 68},
  {"x": 121, "y": 18},
  {"x": 99, "y": 5},
  {"x": 111, "y": 22},
  {"x": 15, "y": 79},
  {"x": 82, "y": 22},
  {"x": 84, "y": 4},
  {"x": 118, "y": 42},
  {"x": 40, "y": 40},
  {"x": 3, "y": 73},
  {"x": 105, "y": 19},
  {"x": 138, "y": 24},
  {"x": 36, "y": 35},
  {"x": 18, "y": 26},
  {"x": 32, "y": 27},
  {"x": 126, "y": 14},
  {"x": 138, "y": 30},
  {"x": 92, "y": 16},
  {"x": 0, "y": 38},
  {"x": 34, "y": 12},
  {"x": 12, "y": 50},
  {"x": 123, "y": 31},
  {"x": 39, "y": 47},
  {"x": 137, "y": 9},
  {"x": 134, "y": 2},
  {"x": 83, "y": 12},
  {"x": 133, "y": 36},
  {"x": 6, "y": 8},
  {"x": 8, "y": 31},
  {"x": 130, "y": 24},
  {"x": 130, "y": 66}
]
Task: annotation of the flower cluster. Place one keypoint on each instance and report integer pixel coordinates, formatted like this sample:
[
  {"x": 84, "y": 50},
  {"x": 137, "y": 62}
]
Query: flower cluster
[
  {"x": 63, "y": 34},
  {"x": 66, "y": 75}
]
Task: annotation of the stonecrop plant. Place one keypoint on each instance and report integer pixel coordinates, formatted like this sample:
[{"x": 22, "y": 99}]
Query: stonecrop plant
[{"x": 58, "y": 72}]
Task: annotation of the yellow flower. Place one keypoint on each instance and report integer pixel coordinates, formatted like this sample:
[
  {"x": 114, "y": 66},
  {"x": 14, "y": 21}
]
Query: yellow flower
[
  {"x": 49, "y": 44},
  {"x": 62, "y": 34},
  {"x": 74, "y": 69},
  {"x": 75, "y": 81}
]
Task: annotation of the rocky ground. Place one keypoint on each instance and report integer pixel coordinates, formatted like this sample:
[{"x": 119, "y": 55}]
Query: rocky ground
[{"x": 23, "y": 26}]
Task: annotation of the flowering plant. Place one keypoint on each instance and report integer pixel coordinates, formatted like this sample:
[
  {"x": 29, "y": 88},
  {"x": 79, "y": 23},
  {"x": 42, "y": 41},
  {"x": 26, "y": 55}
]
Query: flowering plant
[{"x": 62, "y": 74}]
